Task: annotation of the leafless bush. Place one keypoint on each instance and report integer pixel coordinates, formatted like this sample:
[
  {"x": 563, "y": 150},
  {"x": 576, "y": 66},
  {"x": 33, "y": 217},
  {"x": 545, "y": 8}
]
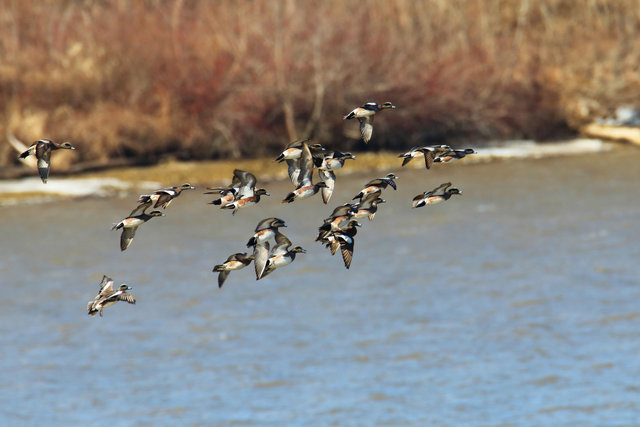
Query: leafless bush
[{"x": 200, "y": 79}]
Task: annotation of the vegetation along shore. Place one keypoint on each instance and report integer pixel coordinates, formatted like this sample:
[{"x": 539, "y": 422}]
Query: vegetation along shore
[{"x": 131, "y": 82}]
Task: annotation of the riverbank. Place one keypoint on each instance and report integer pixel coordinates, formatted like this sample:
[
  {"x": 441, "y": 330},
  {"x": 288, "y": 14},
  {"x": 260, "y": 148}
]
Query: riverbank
[{"x": 207, "y": 173}]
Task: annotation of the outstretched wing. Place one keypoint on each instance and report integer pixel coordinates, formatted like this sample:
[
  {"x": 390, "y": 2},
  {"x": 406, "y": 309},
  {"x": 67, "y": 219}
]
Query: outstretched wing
[
  {"x": 282, "y": 244},
  {"x": 306, "y": 166},
  {"x": 143, "y": 206},
  {"x": 366, "y": 127},
  {"x": 429, "y": 155},
  {"x": 293, "y": 168},
  {"x": 329, "y": 178},
  {"x": 390, "y": 182},
  {"x": 106, "y": 285},
  {"x": 127, "y": 237},
  {"x": 164, "y": 198},
  {"x": 261, "y": 256},
  {"x": 247, "y": 182},
  {"x": 125, "y": 296},
  {"x": 222, "y": 277},
  {"x": 439, "y": 190},
  {"x": 346, "y": 248},
  {"x": 44, "y": 165}
]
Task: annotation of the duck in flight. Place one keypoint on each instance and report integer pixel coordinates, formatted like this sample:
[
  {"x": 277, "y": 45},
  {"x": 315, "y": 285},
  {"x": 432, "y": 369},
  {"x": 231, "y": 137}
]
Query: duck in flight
[
  {"x": 235, "y": 262},
  {"x": 306, "y": 188},
  {"x": 130, "y": 224},
  {"x": 438, "y": 195},
  {"x": 365, "y": 115},
  {"x": 163, "y": 197},
  {"x": 108, "y": 296},
  {"x": 42, "y": 149}
]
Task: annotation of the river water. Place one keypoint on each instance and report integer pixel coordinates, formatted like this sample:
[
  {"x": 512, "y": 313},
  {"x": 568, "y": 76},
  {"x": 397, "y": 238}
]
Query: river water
[{"x": 514, "y": 304}]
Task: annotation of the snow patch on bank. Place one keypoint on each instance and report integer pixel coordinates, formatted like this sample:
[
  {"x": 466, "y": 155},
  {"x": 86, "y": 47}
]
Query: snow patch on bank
[
  {"x": 531, "y": 149},
  {"x": 34, "y": 190}
]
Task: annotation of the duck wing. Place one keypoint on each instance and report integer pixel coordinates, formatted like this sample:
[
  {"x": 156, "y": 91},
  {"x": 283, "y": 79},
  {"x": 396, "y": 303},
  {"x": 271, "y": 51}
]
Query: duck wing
[
  {"x": 293, "y": 169},
  {"x": 127, "y": 237},
  {"x": 306, "y": 166},
  {"x": 246, "y": 181},
  {"x": 222, "y": 277},
  {"x": 265, "y": 223},
  {"x": 439, "y": 190},
  {"x": 366, "y": 127},
  {"x": 329, "y": 178},
  {"x": 261, "y": 257},
  {"x": 346, "y": 248},
  {"x": 282, "y": 245},
  {"x": 381, "y": 183},
  {"x": 429, "y": 155},
  {"x": 164, "y": 197},
  {"x": 106, "y": 285},
  {"x": 126, "y": 296},
  {"x": 142, "y": 207},
  {"x": 333, "y": 244},
  {"x": 44, "y": 162},
  {"x": 368, "y": 200}
]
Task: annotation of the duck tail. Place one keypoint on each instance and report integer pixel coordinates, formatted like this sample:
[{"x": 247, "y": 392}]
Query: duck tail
[
  {"x": 24, "y": 155},
  {"x": 251, "y": 242},
  {"x": 219, "y": 267},
  {"x": 349, "y": 116},
  {"x": 91, "y": 310},
  {"x": 216, "y": 202},
  {"x": 290, "y": 198}
]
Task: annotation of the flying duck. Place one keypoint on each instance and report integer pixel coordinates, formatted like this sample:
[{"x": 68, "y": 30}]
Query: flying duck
[
  {"x": 377, "y": 184},
  {"x": 164, "y": 196},
  {"x": 236, "y": 261},
  {"x": 365, "y": 114},
  {"x": 453, "y": 155},
  {"x": 429, "y": 152},
  {"x": 108, "y": 296},
  {"x": 306, "y": 188},
  {"x": 281, "y": 255},
  {"x": 437, "y": 195},
  {"x": 130, "y": 224},
  {"x": 42, "y": 149}
]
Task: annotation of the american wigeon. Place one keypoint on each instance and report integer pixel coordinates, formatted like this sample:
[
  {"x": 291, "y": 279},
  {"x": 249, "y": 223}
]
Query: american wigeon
[
  {"x": 42, "y": 150},
  {"x": 365, "y": 115},
  {"x": 437, "y": 195},
  {"x": 108, "y": 296},
  {"x": 235, "y": 262}
]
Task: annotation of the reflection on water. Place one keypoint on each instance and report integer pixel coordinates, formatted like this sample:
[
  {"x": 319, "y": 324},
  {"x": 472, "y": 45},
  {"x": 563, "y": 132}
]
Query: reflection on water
[{"x": 513, "y": 304}]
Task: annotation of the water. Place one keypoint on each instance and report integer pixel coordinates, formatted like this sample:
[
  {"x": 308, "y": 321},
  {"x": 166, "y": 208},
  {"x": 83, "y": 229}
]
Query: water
[{"x": 515, "y": 304}]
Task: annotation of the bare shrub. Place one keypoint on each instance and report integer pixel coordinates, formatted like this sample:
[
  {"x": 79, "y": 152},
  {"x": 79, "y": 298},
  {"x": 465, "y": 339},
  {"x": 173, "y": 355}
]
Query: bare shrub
[{"x": 199, "y": 79}]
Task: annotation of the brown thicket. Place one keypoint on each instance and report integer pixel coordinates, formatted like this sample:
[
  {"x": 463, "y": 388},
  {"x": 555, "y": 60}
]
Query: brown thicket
[{"x": 230, "y": 78}]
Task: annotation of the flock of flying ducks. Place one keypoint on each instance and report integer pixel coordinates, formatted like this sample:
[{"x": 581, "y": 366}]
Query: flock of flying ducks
[{"x": 271, "y": 249}]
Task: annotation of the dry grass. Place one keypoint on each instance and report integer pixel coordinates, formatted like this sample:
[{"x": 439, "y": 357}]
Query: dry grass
[{"x": 228, "y": 79}]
